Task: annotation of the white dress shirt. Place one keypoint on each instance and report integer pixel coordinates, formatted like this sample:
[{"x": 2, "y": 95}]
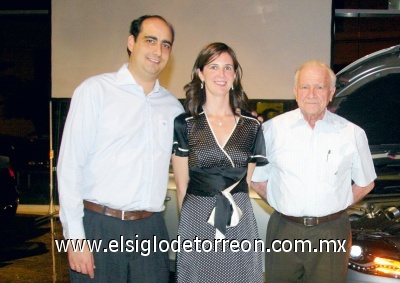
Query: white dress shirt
[
  {"x": 310, "y": 171},
  {"x": 116, "y": 148}
]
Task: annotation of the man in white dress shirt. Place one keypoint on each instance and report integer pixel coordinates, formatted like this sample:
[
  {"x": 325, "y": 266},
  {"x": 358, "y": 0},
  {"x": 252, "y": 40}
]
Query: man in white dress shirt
[
  {"x": 319, "y": 164},
  {"x": 113, "y": 163}
]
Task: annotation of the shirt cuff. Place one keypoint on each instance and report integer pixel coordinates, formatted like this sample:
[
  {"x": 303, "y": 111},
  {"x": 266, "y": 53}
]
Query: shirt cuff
[
  {"x": 74, "y": 230},
  {"x": 260, "y": 174}
]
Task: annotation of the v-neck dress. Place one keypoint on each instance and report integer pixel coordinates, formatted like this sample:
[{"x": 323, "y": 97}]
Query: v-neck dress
[{"x": 213, "y": 168}]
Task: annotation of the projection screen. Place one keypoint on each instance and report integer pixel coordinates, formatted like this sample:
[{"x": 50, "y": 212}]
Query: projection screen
[{"x": 270, "y": 37}]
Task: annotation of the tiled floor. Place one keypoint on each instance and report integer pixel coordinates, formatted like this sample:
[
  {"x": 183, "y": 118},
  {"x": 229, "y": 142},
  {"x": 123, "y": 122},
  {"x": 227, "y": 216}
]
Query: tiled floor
[{"x": 27, "y": 254}]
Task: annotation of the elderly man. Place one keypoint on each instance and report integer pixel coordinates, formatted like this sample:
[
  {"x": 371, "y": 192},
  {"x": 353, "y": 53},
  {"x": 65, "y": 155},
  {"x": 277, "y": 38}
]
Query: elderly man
[{"x": 320, "y": 164}]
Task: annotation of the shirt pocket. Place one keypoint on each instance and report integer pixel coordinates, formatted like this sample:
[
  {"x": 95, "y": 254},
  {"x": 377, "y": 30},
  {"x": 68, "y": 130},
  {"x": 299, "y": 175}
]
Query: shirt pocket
[{"x": 332, "y": 169}]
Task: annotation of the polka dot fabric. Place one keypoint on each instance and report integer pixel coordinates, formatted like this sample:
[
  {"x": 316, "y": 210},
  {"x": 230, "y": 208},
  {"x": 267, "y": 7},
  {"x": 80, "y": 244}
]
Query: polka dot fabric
[
  {"x": 221, "y": 266},
  {"x": 195, "y": 139}
]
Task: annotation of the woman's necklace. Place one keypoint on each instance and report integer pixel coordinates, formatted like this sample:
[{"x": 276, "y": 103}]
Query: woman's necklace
[{"x": 219, "y": 120}]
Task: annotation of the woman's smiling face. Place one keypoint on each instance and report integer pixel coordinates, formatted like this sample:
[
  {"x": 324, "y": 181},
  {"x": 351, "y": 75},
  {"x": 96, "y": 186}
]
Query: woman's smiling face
[{"x": 218, "y": 75}]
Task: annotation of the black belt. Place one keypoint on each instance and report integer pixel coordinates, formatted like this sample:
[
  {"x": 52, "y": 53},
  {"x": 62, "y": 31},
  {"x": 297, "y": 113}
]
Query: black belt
[
  {"x": 313, "y": 221},
  {"x": 120, "y": 214},
  {"x": 211, "y": 182}
]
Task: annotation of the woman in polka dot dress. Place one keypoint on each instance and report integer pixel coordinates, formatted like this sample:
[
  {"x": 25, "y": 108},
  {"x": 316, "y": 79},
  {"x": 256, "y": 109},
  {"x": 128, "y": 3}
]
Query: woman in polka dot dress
[{"x": 217, "y": 145}]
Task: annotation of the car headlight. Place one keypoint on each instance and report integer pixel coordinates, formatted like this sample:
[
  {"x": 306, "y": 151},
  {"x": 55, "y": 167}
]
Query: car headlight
[
  {"x": 376, "y": 260},
  {"x": 356, "y": 252},
  {"x": 388, "y": 266}
]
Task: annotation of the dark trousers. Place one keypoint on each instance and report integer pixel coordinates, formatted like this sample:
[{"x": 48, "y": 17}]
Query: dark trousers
[
  {"x": 128, "y": 265},
  {"x": 319, "y": 265}
]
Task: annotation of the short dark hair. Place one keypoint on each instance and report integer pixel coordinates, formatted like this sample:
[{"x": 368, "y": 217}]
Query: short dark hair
[
  {"x": 196, "y": 96},
  {"x": 136, "y": 27}
]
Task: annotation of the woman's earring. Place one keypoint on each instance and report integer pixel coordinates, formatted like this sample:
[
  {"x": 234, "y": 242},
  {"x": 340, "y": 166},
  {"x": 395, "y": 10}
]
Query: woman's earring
[
  {"x": 233, "y": 88},
  {"x": 202, "y": 85}
]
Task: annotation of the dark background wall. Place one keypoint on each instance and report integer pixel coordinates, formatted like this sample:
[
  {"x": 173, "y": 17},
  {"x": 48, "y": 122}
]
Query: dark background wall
[
  {"x": 363, "y": 33},
  {"x": 25, "y": 86},
  {"x": 25, "y": 67}
]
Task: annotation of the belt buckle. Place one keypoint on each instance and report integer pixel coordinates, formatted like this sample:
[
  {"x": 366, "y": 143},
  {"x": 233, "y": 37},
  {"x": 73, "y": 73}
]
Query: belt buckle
[{"x": 307, "y": 221}]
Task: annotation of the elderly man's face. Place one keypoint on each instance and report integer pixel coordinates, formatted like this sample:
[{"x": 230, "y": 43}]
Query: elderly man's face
[{"x": 313, "y": 91}]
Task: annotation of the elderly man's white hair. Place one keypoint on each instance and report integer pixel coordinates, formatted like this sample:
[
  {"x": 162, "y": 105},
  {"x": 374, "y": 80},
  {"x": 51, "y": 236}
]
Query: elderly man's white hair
[{"x": 320, "y": 64}]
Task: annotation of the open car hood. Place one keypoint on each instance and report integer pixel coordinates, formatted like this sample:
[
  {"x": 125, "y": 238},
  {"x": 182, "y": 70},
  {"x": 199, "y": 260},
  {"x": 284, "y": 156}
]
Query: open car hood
[
  {"x": 370, "y": 68},
  {"x": 368, "y": 94}
]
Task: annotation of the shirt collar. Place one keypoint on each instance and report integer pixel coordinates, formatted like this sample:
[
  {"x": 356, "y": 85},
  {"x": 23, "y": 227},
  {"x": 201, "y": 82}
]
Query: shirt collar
[
  {"x": 124, "y": 77},
  {"x": 297, "y": 118},
  {"x": 328, "y": 119}
]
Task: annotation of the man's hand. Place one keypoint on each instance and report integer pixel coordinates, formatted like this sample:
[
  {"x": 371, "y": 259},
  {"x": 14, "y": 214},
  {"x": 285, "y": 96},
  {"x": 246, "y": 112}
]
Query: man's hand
[
  {"x": 81, "y": 261},
  {"x": 360, "y": 192},
  {"x": 260, "y": 188}
]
